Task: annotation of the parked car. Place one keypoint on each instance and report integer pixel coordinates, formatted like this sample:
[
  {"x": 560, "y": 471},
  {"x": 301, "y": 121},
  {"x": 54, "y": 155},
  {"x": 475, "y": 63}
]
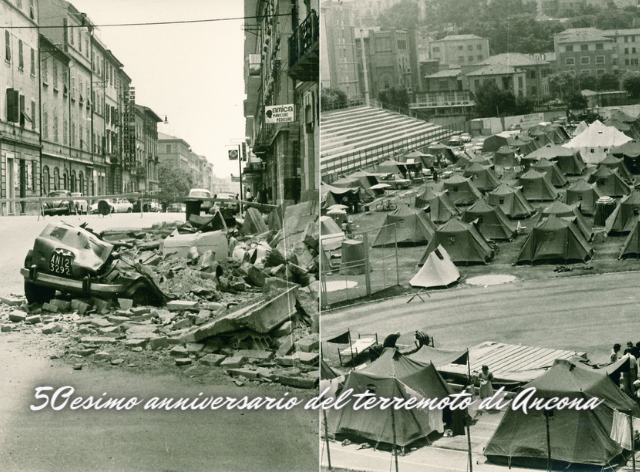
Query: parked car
[
  {"x": 396, "y": 181},
  {"x": 74, "y": 260},
  {"x": 148, "y": 207},
  {"x": 455, "y": 141},
  {"x": 119, "y": 205},
  {"x": 82, "y": 206},
  {"x": 201, "y": 192},
  {"x": 176, "y": 208},
  {"x": 62, "y": 206},
  {"x": 466, "y": 137},
  {"x": 229, "y": 207}
]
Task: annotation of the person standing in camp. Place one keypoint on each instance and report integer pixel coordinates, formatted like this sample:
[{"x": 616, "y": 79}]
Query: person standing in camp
[
  {"x": 631, "y": 376},
  {"x": 613, "y": 357},
  {"x": 485, "y": 377}
]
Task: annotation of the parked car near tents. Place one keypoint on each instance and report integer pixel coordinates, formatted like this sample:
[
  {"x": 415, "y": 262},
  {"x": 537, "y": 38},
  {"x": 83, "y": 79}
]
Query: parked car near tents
[
  {"x": 119, "y": 205},
  {"x": 82, "y": 206}
]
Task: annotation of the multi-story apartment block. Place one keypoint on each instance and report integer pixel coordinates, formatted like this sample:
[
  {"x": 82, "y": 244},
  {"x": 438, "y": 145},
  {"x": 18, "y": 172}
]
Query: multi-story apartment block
[
  {"x": 585, "y": 51},
  {"x": 388, "y": 60},
  {"x": 627, "y": 48},
  {"x": 145, "y": 125},
  {"x": 339, "y": 61},
  {"x": 174, "y": 151},
  {"x": 460, "y": 50},
  {"x": 505, "y": 77},
  {"x": 282, "y": 67},
  {"x": 536, "y": 70},
  {"x": 19, "y": 120}
]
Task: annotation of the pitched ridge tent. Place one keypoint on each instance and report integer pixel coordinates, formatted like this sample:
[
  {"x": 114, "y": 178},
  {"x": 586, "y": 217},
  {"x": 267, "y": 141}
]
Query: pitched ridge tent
[
  {"x": 482, "y": 159},
  {"x": 537, "y": 186},
  {"x": 437, "y": 271},
  {"x": 427, "y": 160},
  {"x": 622, "y": 218},
  {"x": 552, "y": 171},
  {"x": 463, "y": 242},
  {"x": 511, "y": 202},
  {"x": 568, "y": 160},
  {"x": 595, "y": 141},
  {"x": 391, "y": 166},
  {"x": 631, "y": 246},
  {"x": 505, "y": 157},
  {"x": 331, "y": 235},
  {"x": 617, "y": 163},
  {"x": 441, "y": 208},
  {"x": 554, "y": 240},
  {"x": 630, "y": 152},
  {"x": 393, "y": 375},
  {"x": 405, "y": 225},
  {"x": 461, "y": 190},
  {"x": 439, "y": 357},
  {"x": 577, "y": 436},
  {"x": 609, "y": 182},
  {"x": 492, "y": 223},
  {"x": 483, "y": 177},
  {"x": 330, "y": 195},
  {"x": 583, "y": 194},
  {"x": 572, "y": 213}
]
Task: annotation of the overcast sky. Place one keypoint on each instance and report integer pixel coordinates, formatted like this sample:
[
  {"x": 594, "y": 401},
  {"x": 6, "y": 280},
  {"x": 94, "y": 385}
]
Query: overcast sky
[{"x": 192, "y": 73}]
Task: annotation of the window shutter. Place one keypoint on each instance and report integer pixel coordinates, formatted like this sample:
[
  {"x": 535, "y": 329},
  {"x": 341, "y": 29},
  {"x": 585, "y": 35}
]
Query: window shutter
[{"x": 13, "y": 98}]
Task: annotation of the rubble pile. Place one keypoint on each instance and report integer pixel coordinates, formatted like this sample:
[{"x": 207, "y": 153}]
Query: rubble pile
[{"x": 251, "y": 311}]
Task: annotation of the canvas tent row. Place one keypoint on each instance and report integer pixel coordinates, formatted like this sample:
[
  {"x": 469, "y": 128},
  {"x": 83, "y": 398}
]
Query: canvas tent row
[
  {"x": 584, "y": 195},
  {"x": 505, "y": 157},
  {"x": 630, "y": 152},
  {"x": 609, "y": 182},
  {"x": 570, "y": 213},
  {"x": 576, "y": 436},
  {"x": 625, "y": 214},
  {"x": 461, "y": 190},
  {"x": 511, "y": 202},
  {"x": 617, "y": 163},
  {"x": 631, "y": 246},
  {"x": 483, "y": 177},
  {"x": 463, "y": 242},
  {"x": 567, "y": 160},
  {"x": 392, "y": 166},
  {"x": 437, "y": 271},
  {"x": 554, "y": 240},
  {"x": 492, "y": 223},
  {"x": 441, "y": 208},
  {"x": 552, "y": 171},
  {"x": 537, "y": 186},
  {"x": 392, "y": 375},
  {"x": 405, "y": 225}
]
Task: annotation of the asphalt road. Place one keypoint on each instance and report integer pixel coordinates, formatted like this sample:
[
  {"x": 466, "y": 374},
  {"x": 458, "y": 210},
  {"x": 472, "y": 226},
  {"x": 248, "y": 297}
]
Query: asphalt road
[
  {"x": 586, "y": 313},
  {"x": 136, "y": 440}
]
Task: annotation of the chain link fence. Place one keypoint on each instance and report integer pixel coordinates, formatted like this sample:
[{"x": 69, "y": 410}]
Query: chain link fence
[{"x": 366, "y": 263}]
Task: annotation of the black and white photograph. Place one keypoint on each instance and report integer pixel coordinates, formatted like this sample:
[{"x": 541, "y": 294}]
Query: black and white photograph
[
  {"x": 479, "y": 235},
  {"x": 159, "y": 235}
]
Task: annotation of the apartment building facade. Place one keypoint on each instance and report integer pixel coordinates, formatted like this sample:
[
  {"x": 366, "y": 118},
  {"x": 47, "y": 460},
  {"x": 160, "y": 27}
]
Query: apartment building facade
[
  {"x": 460, "y": 50},
  {"x": 585, "y": 51}
]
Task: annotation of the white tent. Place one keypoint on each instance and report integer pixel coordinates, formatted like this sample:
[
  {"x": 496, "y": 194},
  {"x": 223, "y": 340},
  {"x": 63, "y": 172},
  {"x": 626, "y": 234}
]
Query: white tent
[
  {"x": 595, "y": 141},
  {"x": 437, "y": 271}
]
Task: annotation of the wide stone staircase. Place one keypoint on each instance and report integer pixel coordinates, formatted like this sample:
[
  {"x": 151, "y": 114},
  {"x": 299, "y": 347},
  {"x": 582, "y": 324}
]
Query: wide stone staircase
[{"x": 361, "y": 136}]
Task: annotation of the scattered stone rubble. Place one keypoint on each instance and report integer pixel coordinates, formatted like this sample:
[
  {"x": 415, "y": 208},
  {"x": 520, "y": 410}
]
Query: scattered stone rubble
[{"x": 252, "y": 313}]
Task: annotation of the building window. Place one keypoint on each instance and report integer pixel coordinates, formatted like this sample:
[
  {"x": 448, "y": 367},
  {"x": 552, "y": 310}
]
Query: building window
[
  {"x": 460, "y": 48},
  {"x": 436, "y": 49},
  {"x": 585, "y": 60},
  {"x": 33, "y": 62},
  {"x": 626, "y": 62},
  {"x": 55, "y": 75},
  {"x": 585, "y": 72},
  {"x": 56, "y": 179},
  {"x": 533, "y": 74},
  {"x": 626, "y": 50},
  {"x": 45, "y": 125},
  {"x": 470, "y": 47},
  {"x": 55, "y": 128},
  {"x": 584, "y": 47},
  {"x": 479, "y": 47},
  {"x": 20, "y": 56},
  {"x": 460, "y": 59},
  {"x": 80, "y": 40},
  {"x": 599, "y": 59},
  {"x": 33, "y": 114},
  {"x": 633, "y": 39},
  {"x": 600, "y": 72},
  {"x": 569, "y": 61},
  {"x": 168, "y": 148},
  {"x": 568, "y": 48},
  {"x": 633, "y": 50},
  {"x": 45, "y": 180},
  {"x": 477, "y": 83},
  {"x": 402, "y": 44},
  {"x": 65, "y": 132},
  {"x": 599, "y": 46},
  {"x": 534, "y": 90},
  {"x": 520, "y": 82},
  {"x": 470, "y": 58}
]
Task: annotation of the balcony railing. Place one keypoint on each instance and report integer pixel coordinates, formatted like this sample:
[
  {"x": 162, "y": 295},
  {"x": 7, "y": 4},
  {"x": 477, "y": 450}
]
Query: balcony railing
[
  {"x": 304, "y": 50},
  {"x": 443, "y": 99}
]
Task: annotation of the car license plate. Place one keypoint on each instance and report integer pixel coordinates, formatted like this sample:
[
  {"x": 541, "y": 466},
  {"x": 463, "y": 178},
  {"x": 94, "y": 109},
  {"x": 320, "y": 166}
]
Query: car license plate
[{"x": 60, "y": 264}]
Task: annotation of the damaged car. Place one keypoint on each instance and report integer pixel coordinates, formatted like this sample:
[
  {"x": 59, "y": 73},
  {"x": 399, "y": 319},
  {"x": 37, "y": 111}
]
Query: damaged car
[{"x": 74, "y": 260}]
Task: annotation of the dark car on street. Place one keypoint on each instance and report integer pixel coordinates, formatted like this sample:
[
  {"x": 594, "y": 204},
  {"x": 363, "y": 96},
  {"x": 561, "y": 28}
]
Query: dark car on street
[
  {"x": 74, "y": 260},
  {"x": 61, "y": 206}
]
